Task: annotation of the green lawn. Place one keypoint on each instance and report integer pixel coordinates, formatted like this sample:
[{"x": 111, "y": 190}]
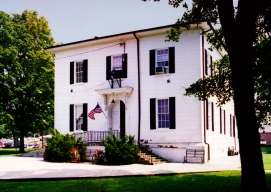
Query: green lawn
[
  {"x": 13, "y": 151},
  {"x": 215, "y": 181},
  {"x": 267, "y": 158}
]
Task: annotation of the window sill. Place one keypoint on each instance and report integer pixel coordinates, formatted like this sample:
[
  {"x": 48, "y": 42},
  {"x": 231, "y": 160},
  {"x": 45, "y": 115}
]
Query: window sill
[
  {"x": 165, "y": 74},
  {"x": 162, "y": 130},
  {"x": 78, "y": 84}
]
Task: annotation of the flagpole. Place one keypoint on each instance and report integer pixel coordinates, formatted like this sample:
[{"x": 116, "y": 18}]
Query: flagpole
[{"x": 102, "y": 110}]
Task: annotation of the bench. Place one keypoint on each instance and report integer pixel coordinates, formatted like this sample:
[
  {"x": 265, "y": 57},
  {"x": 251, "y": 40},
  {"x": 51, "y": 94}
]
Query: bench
[
  {"x": 194, "y": 154},
  {"x": 91, "y": 155}
]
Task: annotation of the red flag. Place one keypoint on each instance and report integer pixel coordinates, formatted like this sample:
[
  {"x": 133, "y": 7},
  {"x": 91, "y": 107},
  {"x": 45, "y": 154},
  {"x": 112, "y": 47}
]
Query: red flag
[{"x": 97, "y": 109}]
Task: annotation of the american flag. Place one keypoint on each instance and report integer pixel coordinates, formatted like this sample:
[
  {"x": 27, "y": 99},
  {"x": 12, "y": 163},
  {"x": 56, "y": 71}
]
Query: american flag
[{"x": 97, "y": 109}]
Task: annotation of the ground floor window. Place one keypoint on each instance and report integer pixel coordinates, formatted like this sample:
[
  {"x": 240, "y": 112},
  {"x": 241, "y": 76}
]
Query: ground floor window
[
  {"x": 78, "y": 117},
  {"x": 163, "y": 113}
]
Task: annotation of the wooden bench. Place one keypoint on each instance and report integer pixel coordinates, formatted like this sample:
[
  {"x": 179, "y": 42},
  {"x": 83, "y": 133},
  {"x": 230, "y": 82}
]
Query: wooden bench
[{"x": 194, "y": 154}]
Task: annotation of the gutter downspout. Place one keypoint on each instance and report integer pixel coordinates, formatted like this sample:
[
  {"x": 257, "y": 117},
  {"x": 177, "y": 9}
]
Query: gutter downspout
[
  {"x": 139, "y": 88},
  {"x": 204, "y": 104}
]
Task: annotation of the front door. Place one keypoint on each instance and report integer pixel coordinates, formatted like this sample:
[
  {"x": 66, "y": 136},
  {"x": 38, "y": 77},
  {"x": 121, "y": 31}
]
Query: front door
[
  {"x": 116, "y": 116},
  {"x": 122, "y": 119}
]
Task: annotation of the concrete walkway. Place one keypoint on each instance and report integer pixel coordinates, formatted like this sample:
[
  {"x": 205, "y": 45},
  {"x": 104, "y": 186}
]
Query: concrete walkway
[{"x": 16, "y": 167}]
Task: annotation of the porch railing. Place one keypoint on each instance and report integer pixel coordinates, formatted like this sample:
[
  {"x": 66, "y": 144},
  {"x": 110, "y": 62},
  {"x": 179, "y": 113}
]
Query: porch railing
[{"x": 95, "y": 137}]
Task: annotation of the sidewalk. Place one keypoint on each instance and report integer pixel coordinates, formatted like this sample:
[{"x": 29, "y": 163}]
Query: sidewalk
[{"x": 15, "y": 167}]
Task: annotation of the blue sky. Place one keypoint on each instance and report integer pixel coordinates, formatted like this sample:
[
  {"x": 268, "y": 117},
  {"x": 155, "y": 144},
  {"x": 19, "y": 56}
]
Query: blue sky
[{"x": 75, "y": 20}]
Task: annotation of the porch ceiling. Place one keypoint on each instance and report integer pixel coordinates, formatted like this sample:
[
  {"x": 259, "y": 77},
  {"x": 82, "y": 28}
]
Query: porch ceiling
[{"x": 121, "y": 90}]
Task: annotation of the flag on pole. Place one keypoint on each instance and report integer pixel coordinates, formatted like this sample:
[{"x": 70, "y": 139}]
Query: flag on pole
[{"x": 97, "y": 109}]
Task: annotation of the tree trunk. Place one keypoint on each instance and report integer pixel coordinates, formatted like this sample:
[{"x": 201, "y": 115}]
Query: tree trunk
[
  {"x": 239, "y": 34},
  {"x": 253, "y": 175},
  {"x": 21, "y": 144}
]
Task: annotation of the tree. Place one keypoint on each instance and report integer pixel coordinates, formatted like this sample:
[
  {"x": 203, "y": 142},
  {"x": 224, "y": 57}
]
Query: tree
[
  {"x": 241, "y": 27},
  {"x": 220, "y": 83},
  {"x": 27, "y": 73}
]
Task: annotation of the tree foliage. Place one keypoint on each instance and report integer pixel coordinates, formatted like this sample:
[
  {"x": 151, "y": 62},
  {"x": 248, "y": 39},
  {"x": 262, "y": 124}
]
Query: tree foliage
[
  {"x": 26, "y": 73},
  {"x": 220, "y": 83},
  {"x": 243, "y": 27}
]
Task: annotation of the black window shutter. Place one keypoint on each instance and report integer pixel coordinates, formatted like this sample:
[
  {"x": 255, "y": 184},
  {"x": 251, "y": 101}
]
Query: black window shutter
[
  {"x": 220, "y": 117},
  {"x": 211, "y": 61},
  {"x": 152, "y": 62},
  {"x": 213, "y": 125},
  {"x": 71, "y": 72},
  {"x": 207, "y": 111},
  {"x": 202, "y": 51},
  {"x": 71, "y": 118},
  {"x": 172, "y": 113},
  {"x": 85, "y": 117},
  {"x": 152, "y": 113},
  {"x": 85, "y": 71},
  {"x": 124, "y": 66},
  {"x": 233, "y": 125},
  {"x": 108, "y": 67},
  {"x": 206, "y": 64},
  {"x": 171, "y": 59},
  {"x": 230, "y": 125},
  {"x": 224, "y": 122}
]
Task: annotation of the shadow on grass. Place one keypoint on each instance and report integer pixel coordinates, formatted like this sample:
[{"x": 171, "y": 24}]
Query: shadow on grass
[
  {"x": 215, "y": 181},
  {"x": 266, "y": 149}
]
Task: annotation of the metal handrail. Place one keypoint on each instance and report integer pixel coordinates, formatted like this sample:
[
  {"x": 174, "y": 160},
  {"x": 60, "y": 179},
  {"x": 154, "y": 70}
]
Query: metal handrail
[{"x": 90, "y": 137}]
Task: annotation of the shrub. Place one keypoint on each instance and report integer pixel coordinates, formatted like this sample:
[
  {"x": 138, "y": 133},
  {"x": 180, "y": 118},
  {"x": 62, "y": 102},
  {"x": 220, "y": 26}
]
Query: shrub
[
  {"x": 120, "y": 151},
  {"x": 59, "y": 146}
]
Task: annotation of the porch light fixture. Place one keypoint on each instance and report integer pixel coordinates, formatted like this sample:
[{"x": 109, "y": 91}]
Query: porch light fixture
[
  {"x": 115, "y": 76},
  {"x": 113, "y": 101}
]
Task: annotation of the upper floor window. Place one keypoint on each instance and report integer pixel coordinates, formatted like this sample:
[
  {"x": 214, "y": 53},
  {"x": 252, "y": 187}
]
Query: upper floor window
[
  {"x": 117, "y": 62},
  {"x": 79, "y": 71},
  {"x": 208, "y": 61},
  {"x": 162, "y": 61}
]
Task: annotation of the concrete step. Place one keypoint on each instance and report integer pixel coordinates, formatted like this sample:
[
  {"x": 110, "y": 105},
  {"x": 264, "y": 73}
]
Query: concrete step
[{"x": 150, "y": 158}]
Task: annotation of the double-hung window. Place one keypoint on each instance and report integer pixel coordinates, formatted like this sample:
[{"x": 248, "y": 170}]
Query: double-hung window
[
  {"x": 163, "y": 113},
  {"x": 78, "y": 117},
  {"x": 208, "y": 61},
  {"x": 117, "y": 63},
  {"x": 162, "y": 61},
  {"x": 79, "y": 71},
  {"x": 209, "y": 115}
]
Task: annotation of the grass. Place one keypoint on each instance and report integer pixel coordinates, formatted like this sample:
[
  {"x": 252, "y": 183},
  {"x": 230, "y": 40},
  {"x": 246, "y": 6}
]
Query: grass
[
  {"x": 215, "y": 181},
  {"x": 14, "y": 151},
  {"x": 267, "y": 158}
]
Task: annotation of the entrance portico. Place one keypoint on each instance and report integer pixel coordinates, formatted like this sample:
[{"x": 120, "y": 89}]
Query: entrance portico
[{"x": 116, "y": 104}]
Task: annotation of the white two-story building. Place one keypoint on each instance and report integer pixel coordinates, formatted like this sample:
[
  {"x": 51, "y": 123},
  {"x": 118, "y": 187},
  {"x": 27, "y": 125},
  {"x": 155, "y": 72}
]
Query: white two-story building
[{"x": 139, "y": 81}]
